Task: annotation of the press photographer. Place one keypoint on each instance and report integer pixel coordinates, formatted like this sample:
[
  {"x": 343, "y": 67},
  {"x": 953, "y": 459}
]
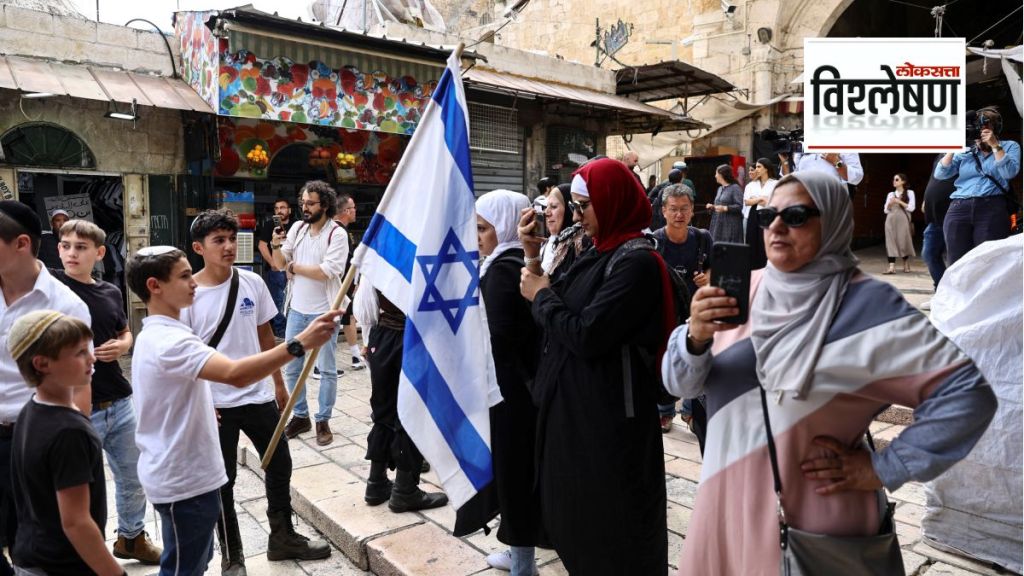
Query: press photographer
[
  {"x": 789, "y": 147},
  {"x": 983, "y": 201}
]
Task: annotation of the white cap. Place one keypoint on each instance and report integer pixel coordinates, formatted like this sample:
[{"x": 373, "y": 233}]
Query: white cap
[
  {"x": 579, "y": 186},
  {"x": 59, "y": 212}
]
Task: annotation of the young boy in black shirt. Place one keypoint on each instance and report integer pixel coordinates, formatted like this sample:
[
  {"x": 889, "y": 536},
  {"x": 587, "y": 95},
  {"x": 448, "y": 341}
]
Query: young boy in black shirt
[
  {"x": 57, "y": 466},
  {"x": 81, "y": 246}
]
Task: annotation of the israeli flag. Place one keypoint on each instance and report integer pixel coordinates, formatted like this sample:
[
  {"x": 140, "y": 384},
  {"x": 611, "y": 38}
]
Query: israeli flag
[{"x": 420, "y": 251}]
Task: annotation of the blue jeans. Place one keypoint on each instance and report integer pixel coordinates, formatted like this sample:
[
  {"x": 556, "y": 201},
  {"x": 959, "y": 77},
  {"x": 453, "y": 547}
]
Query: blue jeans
[
  {"x": 116, "y": 429},
  {"x": 276, "y": 283},
  {"x": 670, "y": 409},
  {"x": 523, "y": 561},
  {"x": 187, "y": 529},
  {"x": 933, "y": 252},
  {"x": 325, "y": 361},
  {"x": 973, "y": 221}
]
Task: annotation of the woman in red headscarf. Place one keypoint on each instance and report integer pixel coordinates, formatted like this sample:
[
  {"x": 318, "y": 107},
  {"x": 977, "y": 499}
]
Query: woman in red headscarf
[{"x": 601, "y": 472}]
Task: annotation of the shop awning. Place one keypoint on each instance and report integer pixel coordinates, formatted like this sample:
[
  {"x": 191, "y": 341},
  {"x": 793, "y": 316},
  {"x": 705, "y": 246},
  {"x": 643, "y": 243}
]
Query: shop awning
[
  {"x": 666, "y": 80},
  {"x": 632, "y": 116},
  {"x": 97, "y": 83}
]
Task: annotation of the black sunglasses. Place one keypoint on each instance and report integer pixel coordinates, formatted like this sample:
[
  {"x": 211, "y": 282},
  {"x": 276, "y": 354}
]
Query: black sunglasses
[
  {"x": 792, "y": 216},
  {"x": 578, "y": 206}
]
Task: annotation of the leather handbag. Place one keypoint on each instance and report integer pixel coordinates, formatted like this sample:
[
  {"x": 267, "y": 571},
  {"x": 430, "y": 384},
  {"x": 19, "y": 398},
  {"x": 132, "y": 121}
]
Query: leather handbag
[{"x": 807, "y": 554}]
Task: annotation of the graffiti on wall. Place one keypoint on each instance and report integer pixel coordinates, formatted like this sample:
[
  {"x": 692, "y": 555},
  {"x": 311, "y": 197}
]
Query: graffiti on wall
[
  {"x": 352, "y": 156},
  {"x": 314, "y": 93},
  {"x": 198, "y": 50}
]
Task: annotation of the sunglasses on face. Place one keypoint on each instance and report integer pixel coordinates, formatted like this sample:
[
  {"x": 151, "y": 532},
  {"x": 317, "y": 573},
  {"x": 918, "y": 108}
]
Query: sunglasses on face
[
  {"x": 792, "y": 216},
  {"x": 579, "y": 206}
]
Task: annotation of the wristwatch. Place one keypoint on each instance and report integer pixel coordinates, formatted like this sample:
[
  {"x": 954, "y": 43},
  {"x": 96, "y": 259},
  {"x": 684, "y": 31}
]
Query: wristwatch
[
  {"x": 998, "y": 147},
  {"x": 295, "y": 348}
]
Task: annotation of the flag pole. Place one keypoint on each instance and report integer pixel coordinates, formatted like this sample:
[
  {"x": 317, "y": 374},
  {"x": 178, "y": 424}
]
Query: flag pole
[{"x": 307, "y": 367}]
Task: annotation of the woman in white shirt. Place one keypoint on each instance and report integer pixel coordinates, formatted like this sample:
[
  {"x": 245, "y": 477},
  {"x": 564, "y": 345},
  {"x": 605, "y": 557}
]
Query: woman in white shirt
[
  {"x": 755, "y": 195},
  {"x": 899, "y": 235}
]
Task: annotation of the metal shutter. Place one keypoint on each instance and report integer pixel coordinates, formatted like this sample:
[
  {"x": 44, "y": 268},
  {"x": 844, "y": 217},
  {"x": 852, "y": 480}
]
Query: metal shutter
[{"x": 496, "y": 148}]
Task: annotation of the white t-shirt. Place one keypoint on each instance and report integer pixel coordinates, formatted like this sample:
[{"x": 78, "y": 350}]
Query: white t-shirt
[
  {"x": 327, "y": 249},
  {"x": 754, "y": 189},
  {"x": 48, "y": 293},
  {"x": 176, "y": 429},
  {"x": 253, "y": 306}
]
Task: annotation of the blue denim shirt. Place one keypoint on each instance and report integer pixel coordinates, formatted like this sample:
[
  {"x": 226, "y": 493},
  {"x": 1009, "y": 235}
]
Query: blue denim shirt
[{"x": 970, "y": 183}]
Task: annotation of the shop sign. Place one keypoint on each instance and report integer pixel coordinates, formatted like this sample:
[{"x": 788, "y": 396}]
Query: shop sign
[{"x": 78, "y": 206}]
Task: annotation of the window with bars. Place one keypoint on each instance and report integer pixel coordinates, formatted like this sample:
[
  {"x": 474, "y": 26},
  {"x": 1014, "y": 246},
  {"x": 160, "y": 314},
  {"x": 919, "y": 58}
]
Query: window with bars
[{"x": 494, "y": 129}]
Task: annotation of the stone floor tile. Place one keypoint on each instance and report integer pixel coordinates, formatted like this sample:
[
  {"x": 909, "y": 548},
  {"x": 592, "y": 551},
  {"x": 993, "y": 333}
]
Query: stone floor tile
[
  {"x": 346, "y": 455},
  {"x": 304, "y": 454},
  {"x": 443, "y": 516},
  {"x": 678, "y": 518},
  {"x": 942, "y": 569},
  {"x": 336, "y": 565},
  {"x": 675, "y": 549},
  {"x": 423, "y": 550},
  {"x": 681, "y": 491},
  {"x": 912, "y": 492},
  {"x": 683, "y": 468},
  {"x": 966, "y": 565},
  {"x": 913, "y": 562},
  {"x": 909, "y": 513},
  {"x": 321, "y": 481},
  {"x": 907, "y": 533},
  {"x": 682, "y": 449}
]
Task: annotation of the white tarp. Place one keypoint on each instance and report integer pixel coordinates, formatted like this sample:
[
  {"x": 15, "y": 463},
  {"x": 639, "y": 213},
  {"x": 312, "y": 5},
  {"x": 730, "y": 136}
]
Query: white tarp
[
  {"x": 1012, "y": 76},
  {"x": 975, "y": 507},
  {"x": 365, "y": 14},
  {"x": 717, "y": 113}
]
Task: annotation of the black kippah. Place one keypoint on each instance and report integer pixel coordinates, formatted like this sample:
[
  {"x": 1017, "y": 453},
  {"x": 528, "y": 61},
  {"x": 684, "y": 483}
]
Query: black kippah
[{"x": 23, "y": 215}]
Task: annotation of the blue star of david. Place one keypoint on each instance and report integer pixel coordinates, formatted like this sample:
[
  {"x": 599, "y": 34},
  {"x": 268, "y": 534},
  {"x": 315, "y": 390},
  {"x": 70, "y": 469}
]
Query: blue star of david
[{"x": 451, "y": 253}]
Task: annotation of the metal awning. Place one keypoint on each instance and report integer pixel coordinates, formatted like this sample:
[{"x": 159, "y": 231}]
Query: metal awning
[
  {"x": 666, "y": 80},
  {"x": 97, "y": 83},
  {"x": 628, "y": 116}
]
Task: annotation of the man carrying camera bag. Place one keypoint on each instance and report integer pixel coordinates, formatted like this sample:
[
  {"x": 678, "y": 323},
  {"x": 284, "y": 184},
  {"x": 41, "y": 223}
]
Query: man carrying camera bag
[{"x": 980, "y": 207}]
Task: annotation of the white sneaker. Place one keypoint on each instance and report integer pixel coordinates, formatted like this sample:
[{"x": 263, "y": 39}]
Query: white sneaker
[
  {"x": 926, "y": 305},
  {"x": 501, "y": 560}
]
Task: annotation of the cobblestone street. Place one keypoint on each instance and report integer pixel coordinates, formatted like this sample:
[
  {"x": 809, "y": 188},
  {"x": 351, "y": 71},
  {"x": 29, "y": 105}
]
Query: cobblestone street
[{"x": 328, "y": 485}]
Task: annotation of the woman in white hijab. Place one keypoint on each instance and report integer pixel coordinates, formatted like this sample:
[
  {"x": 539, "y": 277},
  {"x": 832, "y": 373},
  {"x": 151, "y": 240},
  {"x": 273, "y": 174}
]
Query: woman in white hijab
[
  {"x": 825, "y": 350},
  {"x": 514, "y": 343}
]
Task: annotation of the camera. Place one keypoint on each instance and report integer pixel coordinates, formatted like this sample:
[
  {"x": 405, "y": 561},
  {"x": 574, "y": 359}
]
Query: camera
[
  {"x": 540, "y": 225},
  {"x": 783, "y": 141},
  {"x": 978, "y": 121}
]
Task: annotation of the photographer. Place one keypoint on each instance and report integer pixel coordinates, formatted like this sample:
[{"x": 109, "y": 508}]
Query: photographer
[{"x": 981, "y": 205}]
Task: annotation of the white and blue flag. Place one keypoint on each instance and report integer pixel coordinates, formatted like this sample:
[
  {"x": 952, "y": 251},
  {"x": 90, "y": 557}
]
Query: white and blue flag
[{"x": 420, "y": 251}]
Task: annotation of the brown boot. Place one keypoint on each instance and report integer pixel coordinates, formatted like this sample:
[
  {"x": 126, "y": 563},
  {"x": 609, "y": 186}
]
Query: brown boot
[
  {"x": 140, "y": 548},
  {"x": 297, "y": 425},
  {"x": 323, "y": 433}
]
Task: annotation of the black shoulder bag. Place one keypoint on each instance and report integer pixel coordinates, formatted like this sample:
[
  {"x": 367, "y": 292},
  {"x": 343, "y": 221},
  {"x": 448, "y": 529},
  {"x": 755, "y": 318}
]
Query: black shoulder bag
[
  {"x": 1013, "y": 206},
  {"x": 807, "y": 554},
  {"x": 228, "y": 311}
]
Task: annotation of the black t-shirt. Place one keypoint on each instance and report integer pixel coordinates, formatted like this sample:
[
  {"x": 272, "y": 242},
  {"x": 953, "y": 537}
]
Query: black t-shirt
[
  {"x": 53, "y": 448},
  {"x": 686, "y": 258},
  {"x": 48, "y": 251},
  {"x": 936, "y": 196},
  {"x": 108, "y": 320},
  {"x": 267, "y": 232}
]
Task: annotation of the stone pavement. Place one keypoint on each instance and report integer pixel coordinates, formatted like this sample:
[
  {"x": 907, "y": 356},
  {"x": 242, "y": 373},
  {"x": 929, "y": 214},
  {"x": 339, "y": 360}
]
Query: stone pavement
[{"x": 328, "y": 485}]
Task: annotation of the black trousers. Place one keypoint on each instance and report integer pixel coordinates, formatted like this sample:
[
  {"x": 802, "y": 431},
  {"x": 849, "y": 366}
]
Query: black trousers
[
  {"x": 388, "y": 441},
  {"x": 258, "y": 422},
  {"x": 8, "y": 515}
]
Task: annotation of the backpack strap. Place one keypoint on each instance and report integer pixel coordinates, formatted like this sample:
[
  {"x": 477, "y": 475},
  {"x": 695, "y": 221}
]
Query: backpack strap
[
  {"x": 229, "y": 309},
  {"x": 703, "y": 247},
  {"x": 977, "y": 161}
]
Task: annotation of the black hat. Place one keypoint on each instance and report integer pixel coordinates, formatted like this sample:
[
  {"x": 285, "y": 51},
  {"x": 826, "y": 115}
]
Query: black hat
[
  {"x": 23, "y": 215},
  {"x": 675, "y": 176}
]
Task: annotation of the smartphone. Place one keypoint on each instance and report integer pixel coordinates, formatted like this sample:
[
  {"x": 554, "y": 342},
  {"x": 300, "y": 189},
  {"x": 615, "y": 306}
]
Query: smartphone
[
  {"x": 730, "y": 270},
  {"x": 540, "y": 225},
  {"x": 277, "y": 222}
]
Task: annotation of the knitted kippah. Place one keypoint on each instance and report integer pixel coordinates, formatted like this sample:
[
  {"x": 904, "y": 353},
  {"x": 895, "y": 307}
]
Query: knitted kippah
[{"x": 27, "y": 330}]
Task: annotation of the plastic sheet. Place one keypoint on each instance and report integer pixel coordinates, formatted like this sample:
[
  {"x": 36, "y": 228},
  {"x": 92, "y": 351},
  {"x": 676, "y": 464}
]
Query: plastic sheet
[{"x": 976, "y": 507}]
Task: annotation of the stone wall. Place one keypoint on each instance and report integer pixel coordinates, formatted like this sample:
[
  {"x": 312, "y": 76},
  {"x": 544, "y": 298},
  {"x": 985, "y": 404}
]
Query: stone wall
[
  {"x": 155, "y": 146},
  {"x": 69, "y": 39}
]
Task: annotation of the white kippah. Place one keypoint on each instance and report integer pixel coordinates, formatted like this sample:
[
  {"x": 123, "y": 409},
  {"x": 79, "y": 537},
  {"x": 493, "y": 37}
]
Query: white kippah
[{"x": 579, "y": 186}]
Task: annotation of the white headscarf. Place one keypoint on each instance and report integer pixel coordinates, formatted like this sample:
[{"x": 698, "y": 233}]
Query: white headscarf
[
  {"x": 501, "y": 208},
  {"x": 794, "y": 310}
]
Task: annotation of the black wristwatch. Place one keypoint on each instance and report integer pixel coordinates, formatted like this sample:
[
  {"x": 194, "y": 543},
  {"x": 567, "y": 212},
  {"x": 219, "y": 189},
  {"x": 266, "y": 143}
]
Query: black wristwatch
[{"x": 295, "y": 348}]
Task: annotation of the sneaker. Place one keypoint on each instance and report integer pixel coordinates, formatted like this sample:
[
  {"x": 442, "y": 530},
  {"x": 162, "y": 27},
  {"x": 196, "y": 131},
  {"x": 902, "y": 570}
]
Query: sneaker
[
  {"x": 297, "y": 425},
  {"x": 666, "y": 424},
  {"x": 501, "y": 560},
  {"x": 140, "y": 548},
  {"x": 357, "y": 364},
  {"x": 926, "y": 305},
  {"x": 324, "y": 436}
]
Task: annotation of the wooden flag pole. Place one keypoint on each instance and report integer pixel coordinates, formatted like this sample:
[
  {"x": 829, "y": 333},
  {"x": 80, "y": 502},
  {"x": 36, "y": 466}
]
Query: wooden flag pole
[{"x": 307, "y": 367}]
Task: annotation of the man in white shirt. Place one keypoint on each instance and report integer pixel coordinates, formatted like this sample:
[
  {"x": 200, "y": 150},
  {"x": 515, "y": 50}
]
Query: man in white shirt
[
  {"x": 346, "y": 216},
  {"x": 846, "y": 167},
  {"x": 26, "y": 286},
  {"x": 251, "y": 410},
  {"x": 180, "y": 464},
  {"x": 313, "y": 253}
]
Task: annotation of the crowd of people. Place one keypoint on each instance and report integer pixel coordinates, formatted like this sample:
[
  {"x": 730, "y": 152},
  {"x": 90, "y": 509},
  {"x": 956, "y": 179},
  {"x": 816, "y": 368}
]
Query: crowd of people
[{"x": 603, "y": 314}]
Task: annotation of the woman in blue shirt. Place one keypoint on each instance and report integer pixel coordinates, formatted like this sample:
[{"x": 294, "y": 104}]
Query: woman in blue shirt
[{"x": 979, "y": 210}]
